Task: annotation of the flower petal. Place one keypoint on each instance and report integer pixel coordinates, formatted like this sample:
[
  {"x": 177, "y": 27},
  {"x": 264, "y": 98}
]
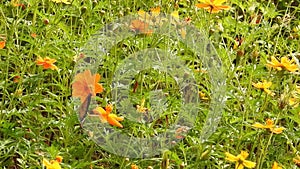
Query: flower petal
[
  {"x": 230, "y": 157},
  {"x": 244, "y": 154},
  {"x": 258, "y": 125},
  {"x": 277, "y": 130},
  {"x": 276, "y": 166},
  {"x": 239, "y": 166},
  {"x": 249, "y": 164},
  {"x": 203, "y": 6},
  {"x": 218, "y": 2},
  {"x": 114, "y": 120},
  {"x": 2, "y": 44}
]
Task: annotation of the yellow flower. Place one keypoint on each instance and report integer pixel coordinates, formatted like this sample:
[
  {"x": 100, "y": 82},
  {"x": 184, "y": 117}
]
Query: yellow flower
[
  {"x": 213, "y": 6},
  {"x": 276, "y": 166},
  {"x": 264, "y": 86},
  {"x": 175, "y": 20},
  {"x": 294, "y": 102},
  {"x": 284, "y": 63},
  {"x": 53, "y": 164},
  {"x": 182, "y": 32},
  {"x": 269, "y": 125},
  {"x": 152, "y": 18},
  {"x": 106, "y": 116},
  {"x": 141, "y": 108},
  {"x": 295, "y": 99},
  {"x": 202, "y": 96},
  {"x": 240, "y": 160},
  {"x": 61, "y": 1},
  {"x": 46, "y": 62}
]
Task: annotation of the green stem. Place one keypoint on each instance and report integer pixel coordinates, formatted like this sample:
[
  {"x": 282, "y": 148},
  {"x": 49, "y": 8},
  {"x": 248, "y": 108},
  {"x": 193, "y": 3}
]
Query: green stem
[{"x": 263, "y": 153}]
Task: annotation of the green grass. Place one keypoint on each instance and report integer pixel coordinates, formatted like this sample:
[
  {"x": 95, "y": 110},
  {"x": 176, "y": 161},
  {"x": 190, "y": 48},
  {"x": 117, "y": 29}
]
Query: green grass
[{"x": 38, "y": 120}]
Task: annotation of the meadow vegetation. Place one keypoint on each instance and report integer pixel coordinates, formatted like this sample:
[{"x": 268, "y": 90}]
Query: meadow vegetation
[{"x": 41, "y": 44}]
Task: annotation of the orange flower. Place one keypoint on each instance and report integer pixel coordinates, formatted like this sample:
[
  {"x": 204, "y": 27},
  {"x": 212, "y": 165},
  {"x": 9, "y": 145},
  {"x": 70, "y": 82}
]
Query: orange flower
[
  {"x": 284, "y": 63},
  {"x": 264, "y": 86},
  {"x": 297, "y": 160},
  {"x": 33, "y": 35},
  {"x": 180, "y": 130},
  {"x": 16, "y": 78},
  {"x": 16, "y": 3},
  {"x": 240, "y": 160},
  {"x": 107, "y": 116},
  {"x": 53, "y": 164},
  {"x": 2, "y": 44},
  {"x": 84, "y": 84},
  {"x": 276, "y": 166},
  {"x": 47, "y": 63},
  {"x": 269, "y": 125},
  {"x": 20, "y": 5},
  {"x": 212, "y": 6},
  {"x": 133, "y": 166},
  {"x": 140, "y": 27}
]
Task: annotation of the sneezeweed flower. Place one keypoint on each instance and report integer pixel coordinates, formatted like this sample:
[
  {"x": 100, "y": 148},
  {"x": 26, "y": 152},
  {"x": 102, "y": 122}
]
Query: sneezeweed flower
[
  {"x": 181, "y": 132},
  {"x": 255, "y": 19},
  {"x": 175, "y": 20},
  {"x": 141, "y": 108},
  {"x": 240, "y": 160},
  {"x": 139, "y": 26},
  {"x": 213, "y": 6},
  {"x": 133, "y": 166},
  {"x": 151, "y": 18},
  {"x": 2, "y": 44},
  {"x": 107, "y": 116},
  {"x": 16, "y": 3},
  {"x": 284, "y": 63},
  {"x": 61, "y": 1},
  {"x": 76, "y": 58},
  {"x": 85, "y": 84},
  {"x": 33, "y": 35},
  {"x": 182, "y": 32},
  {"x": 296, "y": 160},
  {"x": 295, "y": 99},
  {"x": 202, "y": 96},
  {"x": 16, "y": 78},
  {"x": 46, "y": 62},
  {"x": 53, "y": 164},
  {"x": 276, "y": 166},
  {"x": 294, "y": 102},
  {"x": 264, "y": 86},
  {"x": 201, "y": 70},
  {"x": 20, "y": 5},
  {"x": 238, "y": 42},
  {"x": 269, "y": 125}
]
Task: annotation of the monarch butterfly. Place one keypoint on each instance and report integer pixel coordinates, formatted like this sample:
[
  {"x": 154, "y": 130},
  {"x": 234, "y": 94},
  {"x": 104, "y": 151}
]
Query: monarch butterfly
[{"x": 84, "y": 107}]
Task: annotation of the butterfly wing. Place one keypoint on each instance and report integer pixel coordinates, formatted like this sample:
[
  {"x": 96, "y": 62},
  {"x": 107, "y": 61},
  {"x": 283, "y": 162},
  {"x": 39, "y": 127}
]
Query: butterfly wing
[{"x": 84, "y": 107}]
